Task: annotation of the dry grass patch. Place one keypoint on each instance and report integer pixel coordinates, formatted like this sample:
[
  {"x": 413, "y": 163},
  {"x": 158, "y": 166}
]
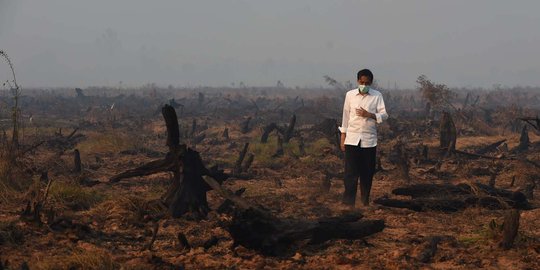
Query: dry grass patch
[
  {"x": 128, "y": 209},
  {"x": 82, "y": 259},
  {"x": 74, "y": 196},
  {"x": 107, "y": 142}
]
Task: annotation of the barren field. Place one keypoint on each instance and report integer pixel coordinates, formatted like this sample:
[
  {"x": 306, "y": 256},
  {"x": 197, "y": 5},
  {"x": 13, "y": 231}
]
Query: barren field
[{"x": 57, "y": 215}]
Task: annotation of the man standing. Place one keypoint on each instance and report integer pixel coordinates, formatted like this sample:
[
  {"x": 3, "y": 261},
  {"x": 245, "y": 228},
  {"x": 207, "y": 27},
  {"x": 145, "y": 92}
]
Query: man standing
[{"x": 362, "y": 110}]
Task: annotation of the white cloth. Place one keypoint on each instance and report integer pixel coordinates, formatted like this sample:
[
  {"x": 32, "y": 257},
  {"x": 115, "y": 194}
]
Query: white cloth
[{"x": 362, "y": 130}]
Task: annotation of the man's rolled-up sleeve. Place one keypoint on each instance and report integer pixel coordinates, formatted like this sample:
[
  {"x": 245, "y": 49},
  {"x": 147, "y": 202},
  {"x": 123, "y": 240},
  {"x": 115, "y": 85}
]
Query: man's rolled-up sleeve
[
  {"x": 345, "y": 119},
  {"x": 381, "y": 114}
]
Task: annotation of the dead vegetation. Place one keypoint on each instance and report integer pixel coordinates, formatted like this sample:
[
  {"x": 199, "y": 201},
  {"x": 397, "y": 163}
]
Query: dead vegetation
[{"x": 107, "y": 180}]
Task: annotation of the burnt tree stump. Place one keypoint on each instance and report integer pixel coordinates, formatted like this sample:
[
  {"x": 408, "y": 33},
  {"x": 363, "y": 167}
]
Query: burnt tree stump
[
  {"x": 510, "y": 228},
  {"x": 244, "y": 126},
  {"x": 290, "y": 130},
  {"x": 400, "y": 158},
  {"x": 266, "y": 132},
  {"x": 225, "y": 134},
  {"x": 238, "y": 164},
  {"x": 77, "y": 161},
  {"x": 447, "y": 133},
  {"x": 524, "y": 141},
  {"x": 279, "y": 151},
  {"x": 187, "y": 192}
]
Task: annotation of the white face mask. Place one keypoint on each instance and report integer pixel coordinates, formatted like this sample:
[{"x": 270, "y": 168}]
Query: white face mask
[{"x": 364, "y": 89}]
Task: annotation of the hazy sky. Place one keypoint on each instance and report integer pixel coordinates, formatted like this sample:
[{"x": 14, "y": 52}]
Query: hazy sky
[{"x": 77, "y": 43}]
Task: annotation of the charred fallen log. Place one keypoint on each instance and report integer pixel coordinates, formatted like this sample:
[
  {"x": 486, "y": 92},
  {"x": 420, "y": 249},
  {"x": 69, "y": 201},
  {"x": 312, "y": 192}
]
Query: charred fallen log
[
  {"x": 265, "y": 233},
  {"x": 452, "y": 198},
  {"x": 490, "y": 147},
  {"x": 256, "y": 228}
]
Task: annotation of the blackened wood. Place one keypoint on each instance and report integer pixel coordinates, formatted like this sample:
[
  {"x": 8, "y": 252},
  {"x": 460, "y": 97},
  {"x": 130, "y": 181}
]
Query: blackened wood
[
  {"x": 187, "y": 191},
  {"x": 244, "y": 127},
  {"x": 524, "y": 141},
  {"x": 448, "y": 133},
  {"x": 290, "y": 130},
  {"x": 155, "y": 229},
  {"x": 492, "y": 179},
  {"x": 171, "y": 121},
  {"x": 301, "y": 146},
  {"x": 326, "y": 183},
  {"x": 534, "y": 122},
  {"x": 199, "y": 138},
  {"x": 248, "y": 162},
  {"x": 425, "y": 152},
  {"x": 423, "y": 204},
  {"x": 433, "y": 190},
  {"x": 513, "y": 181},
  {"x": 210, "y": 242},
  {"x": 193, "y": 128},
  {"x": 238, "y": 164},
  {"x": 449, "y": 198},
  {"x": 490, "y": 147},
  {"x": 153, "y": 167},
  {"x": 183, "y": 243},
  {"x": 430, "y": 248},
  {"x": 77, "y": 161},
  {"x": 510, "y": 228},
  {"x": 225, "y": 134},
  {"x": 275, "y": 237},
  {"x": 227, "y": 206},
  {"x": 189, "y": 196},
  {"x": 266, "y": 132},
  {"x": 400, "y": 158},
  {"x": 279, "y": 151}
]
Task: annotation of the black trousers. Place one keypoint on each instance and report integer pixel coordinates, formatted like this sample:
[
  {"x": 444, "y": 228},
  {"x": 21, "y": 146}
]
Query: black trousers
[{"x": 359, "y": 163}]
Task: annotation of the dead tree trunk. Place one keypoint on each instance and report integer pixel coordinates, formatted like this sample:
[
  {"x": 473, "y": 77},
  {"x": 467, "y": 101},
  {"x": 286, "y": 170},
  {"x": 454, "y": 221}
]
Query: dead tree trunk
[
  {"x": 447, "y": 133},
  {"x": 193, "y": 128},
  {"x": 524, "y": 141},
  {"x": 290, "y": 130},
  {"x": 238, "y": 164},
  {"x": 244, "y": 127},
  {"x": 187, "y": 192},
  {"x": 276, "y": 237},
  {"x": 266, "y": 132},
  {"x": 302, "y": 146},
  {"x": 279, "y": 151},
  {"x": 451, "y": 198},
  {"x": 255, "y": 228},
  {"x": 489, "y": 148},
  {"x": 225, "y": 134},
  {"x": 510, "y": 228},
  {"x": 399, "y": 157},
  {"x": 77, "y": 161},
  {"x": 248, "y": 162}
]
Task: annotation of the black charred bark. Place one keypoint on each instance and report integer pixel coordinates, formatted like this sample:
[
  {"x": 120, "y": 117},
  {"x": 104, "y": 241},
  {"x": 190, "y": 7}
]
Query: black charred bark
[{"x": 187, "y": 192}]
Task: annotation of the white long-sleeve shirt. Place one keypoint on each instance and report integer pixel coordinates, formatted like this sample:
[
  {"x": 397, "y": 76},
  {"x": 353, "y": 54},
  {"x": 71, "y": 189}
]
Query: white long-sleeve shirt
[{"x": 362, "y": 130}]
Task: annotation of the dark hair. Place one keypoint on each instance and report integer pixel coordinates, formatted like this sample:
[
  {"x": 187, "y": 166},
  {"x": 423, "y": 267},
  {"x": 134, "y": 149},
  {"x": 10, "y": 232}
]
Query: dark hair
[{"x": 365, "y": 72}]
